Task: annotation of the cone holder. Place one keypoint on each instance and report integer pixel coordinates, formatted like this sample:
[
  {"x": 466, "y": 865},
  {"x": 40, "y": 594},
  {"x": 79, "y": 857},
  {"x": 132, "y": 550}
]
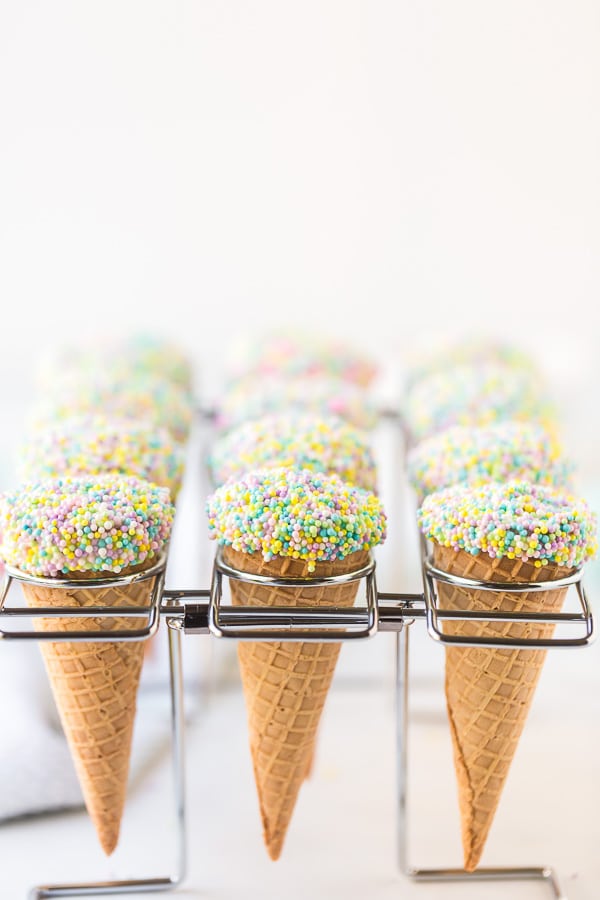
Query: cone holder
[
  {"x": 202, "y": 612},
  {"x": 194, "y": 612}
]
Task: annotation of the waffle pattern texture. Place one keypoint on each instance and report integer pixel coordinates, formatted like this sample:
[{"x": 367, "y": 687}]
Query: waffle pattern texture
[
  {"x": 286, "y": 684},
  {"x": 489, "y": 691},
  {"x": 95, "y": 688}
]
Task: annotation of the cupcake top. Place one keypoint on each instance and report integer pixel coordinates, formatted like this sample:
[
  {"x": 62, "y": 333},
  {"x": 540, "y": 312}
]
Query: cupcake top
[
  {"x": 105, "y": 523},
  {"x": 299, "y": 355},
  {"x": 257, "y": 397},
  {"x": 148, "y": 398},
  {"x": 303, "y": 441},
  {"x": 139, "y": 355},
  {"x": 471, "y": 351},
  {"x": 148, "y": 354},
  {"x": 94, "y": 444},
  {"x": 295, "y": 513},
  {"x": 474, "y": 395},
  {"x": 518, "y": 520},
  {"x": 500, "y": 452}
]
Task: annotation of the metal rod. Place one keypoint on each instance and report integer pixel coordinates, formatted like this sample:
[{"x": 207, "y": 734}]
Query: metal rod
[
  {"x": 506, "y": 587},
  {"x": 178, "y": 735},
  {"x": 101, "y": 888},
  {"x": 493, "y": 874},
  {"x": 102, "y": 581},
  {"x": 402, "y": 720}
]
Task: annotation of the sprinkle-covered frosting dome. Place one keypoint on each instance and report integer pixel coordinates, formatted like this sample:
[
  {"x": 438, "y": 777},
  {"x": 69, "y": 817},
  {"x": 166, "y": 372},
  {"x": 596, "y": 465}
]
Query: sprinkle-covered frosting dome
[
  {"x": 518, "y": 520},
  {"x": 89, "y": 446},
  {"x": 137, "y": 355},
  {"x": 474, "y": 395},
  {"x": 102, "y": 524},
  {"x": 473, "y": 350},
  {"x": 257, "y": 397},
  {"x": 295, "y": 513},
  {"x": 147, "y": 354},
  {"x": 146, "y": 398},
  {"x": 303, "y": 441},
  {"x": 501, "y": 452},
  {"x": 299, "y": 355}
]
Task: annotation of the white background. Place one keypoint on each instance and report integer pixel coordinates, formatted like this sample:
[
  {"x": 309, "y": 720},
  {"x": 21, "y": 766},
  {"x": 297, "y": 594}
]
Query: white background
[
  {"x": 377, "y": 167},
  {"x": 386, "y": 170}
]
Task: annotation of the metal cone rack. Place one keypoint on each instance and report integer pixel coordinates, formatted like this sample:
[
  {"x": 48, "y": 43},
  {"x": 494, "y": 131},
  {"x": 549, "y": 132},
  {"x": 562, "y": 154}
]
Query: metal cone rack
[{"x": 202, "y": 612}]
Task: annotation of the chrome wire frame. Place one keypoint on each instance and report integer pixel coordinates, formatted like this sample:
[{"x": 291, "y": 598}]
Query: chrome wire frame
[
  {"x": 287, "y": 623},
  {"x": 150, "y": 613},
  {"x": 434, "y": 613}
]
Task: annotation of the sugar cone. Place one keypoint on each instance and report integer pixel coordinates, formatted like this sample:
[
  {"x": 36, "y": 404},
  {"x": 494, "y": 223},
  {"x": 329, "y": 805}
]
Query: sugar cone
[
  {"x": 310, "y": 766},
  {"x": 95, "y": 687},
  {"x": 286, "y": 684},
  {"x": 489, "y": 691}
]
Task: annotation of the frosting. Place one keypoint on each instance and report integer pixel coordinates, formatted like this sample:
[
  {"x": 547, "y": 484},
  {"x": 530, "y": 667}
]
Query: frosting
[
  {"x": 470, "y": 351},
  {"x": 303, "y": 441},
  {"x": 518, "y": 520},
  {"x": 152, "y": 399},
  {"x": 295, "y": 513},
  {"x": 506, "y": 450},
  {"x": 85, "y": 524},
  {"x": 256, "y": 397},
  {"x": 88, "y": 446},
  {"x": 123, "y": 358},
  {"x": 298, "y": 355},
  {"x": 148, "y": 354},
  {"x": 474, "y": 395}
]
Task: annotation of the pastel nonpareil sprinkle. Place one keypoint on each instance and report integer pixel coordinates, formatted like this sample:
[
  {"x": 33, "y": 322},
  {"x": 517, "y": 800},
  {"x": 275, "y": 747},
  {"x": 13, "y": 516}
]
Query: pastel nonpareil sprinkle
[
  {"x": 120, "y": 358},
  {"x": 500, "y": 452},
  {"x": 260, "y": 396},
  {"x": 295, "y": 513},
  {"x": 298, "y": 354},
  {"x": 472, "y": 350},
  {"x": 303, "y": 441},
  {"x": 145, "y": 398},
  {"x": 105, "y": 523},
  {"x": 518, "y": 520},
  {"x": 95, "y": 444},
  {"x": 474, "y": 395}
]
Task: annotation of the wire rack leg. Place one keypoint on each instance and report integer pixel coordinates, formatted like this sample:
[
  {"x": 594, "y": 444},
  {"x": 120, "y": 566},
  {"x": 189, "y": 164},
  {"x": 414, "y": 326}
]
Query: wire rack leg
[
  {"x": 545, "y": 874},
  {"x": 148, "y": 885}
]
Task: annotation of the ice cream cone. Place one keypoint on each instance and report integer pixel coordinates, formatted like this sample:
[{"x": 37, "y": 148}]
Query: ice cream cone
[
  {"x": 489, "y": 691},
  {"x": 95, "y": 687},
  {"x": 286, "y": 684}
]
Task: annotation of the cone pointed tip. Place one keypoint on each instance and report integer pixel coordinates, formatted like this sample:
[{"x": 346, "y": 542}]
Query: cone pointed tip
[
  {"x": 472, "y": 858},
  {"x": 274, "y": 850},
  {"x": 109, "y": 841},
  {"x": 273, "y": 842}
]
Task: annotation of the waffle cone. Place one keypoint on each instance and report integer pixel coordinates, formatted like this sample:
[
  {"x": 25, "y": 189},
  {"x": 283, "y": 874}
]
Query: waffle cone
[
  {"x": 95, "y": 687},
  {"x": 489, "y": 691},
  {"x": 286, "y": 684}
]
